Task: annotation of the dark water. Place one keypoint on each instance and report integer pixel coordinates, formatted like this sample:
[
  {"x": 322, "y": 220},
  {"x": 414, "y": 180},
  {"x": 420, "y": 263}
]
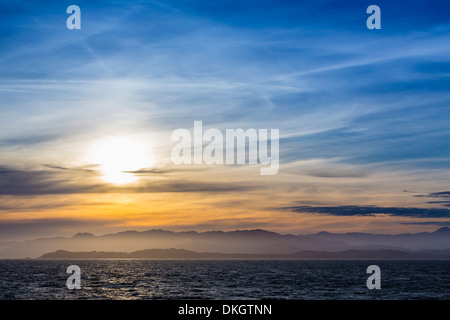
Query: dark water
[{"x": 191, "y": 279}]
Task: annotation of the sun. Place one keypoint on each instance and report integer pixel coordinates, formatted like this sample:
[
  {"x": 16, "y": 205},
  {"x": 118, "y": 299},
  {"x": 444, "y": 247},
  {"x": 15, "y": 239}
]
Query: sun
[{"x": 118, "y": 157}]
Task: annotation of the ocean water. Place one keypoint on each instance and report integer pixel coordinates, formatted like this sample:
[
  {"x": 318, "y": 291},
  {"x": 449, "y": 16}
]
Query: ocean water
[{"x": 224, "y": 279}]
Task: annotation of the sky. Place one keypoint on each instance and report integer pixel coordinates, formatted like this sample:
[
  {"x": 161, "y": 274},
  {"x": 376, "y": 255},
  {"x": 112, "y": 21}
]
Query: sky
[{"x": 362, "y": 115}]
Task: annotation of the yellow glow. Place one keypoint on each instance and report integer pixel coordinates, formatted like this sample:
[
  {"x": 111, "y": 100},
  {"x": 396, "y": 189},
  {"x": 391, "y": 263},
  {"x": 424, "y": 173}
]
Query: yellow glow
[{"x": 117, "y": 156}]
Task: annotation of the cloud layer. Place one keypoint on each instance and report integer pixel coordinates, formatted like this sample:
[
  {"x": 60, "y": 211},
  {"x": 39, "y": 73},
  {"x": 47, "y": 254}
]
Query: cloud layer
[{"x": 373, "y": 210}]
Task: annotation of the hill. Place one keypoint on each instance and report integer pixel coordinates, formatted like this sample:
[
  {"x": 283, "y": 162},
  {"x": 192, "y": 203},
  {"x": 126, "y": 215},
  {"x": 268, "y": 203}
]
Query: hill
[{"x": 186, "y": 254}]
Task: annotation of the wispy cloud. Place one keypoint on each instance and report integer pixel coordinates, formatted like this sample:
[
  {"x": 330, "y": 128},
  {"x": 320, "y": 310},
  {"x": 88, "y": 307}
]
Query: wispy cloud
[
  {"x": 429, "y": 223},
  {"x": 443, "y": 197},
  {"x": 373, "y": 211},
  {"x": 62, "y": 180},
  {"x": 33, "y": 228}
]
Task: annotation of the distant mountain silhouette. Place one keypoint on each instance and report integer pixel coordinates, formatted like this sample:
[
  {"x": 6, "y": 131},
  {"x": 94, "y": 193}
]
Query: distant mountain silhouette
[
  {"x": 84, "y": 235},
  {"x": 443, "y": 230},
  {"x": 232, "y": 242},
  {"x": 187, "y": 254},
  {"x": 440, "y": 239}
]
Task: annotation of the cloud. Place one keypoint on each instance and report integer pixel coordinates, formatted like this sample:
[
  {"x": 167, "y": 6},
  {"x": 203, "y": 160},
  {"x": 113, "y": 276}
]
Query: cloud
[
  {"x": 40, "y": 204},
  {"x": 444, "y": 203},
  {"x": 432, "y": 223},
  {"x": 373, "y": 211},
  {"x": 442, "y": 194},
  {"x": 37, "y": 207},
  {"x": 35, "y": 182},
  {"x": 83, "y": 180},
  {"x": 31, "y": 228},
  {"x": 85, "y": 168},
  {"x": 168, "y": 170},
  {"x": 437, "y": 195},
  {"x": 327, "y": 168},
  {"x": 28, "y": 140},
  {"x": 336, "y": 174}
]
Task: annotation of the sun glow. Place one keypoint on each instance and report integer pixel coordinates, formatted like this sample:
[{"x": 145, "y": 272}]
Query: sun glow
[{"x": 119, "y": 157}]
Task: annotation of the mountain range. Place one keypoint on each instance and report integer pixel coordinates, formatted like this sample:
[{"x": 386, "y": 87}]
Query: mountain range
[
  {"x": 231, "y": 242},
  {"x": 187, "y": 254}
]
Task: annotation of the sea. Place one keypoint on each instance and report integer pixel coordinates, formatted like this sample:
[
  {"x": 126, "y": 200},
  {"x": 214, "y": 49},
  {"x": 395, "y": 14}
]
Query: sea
[{"x": 224, "y": 279}]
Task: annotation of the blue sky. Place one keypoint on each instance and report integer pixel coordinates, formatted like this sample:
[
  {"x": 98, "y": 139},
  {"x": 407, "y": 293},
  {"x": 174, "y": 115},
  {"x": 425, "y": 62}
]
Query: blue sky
[
  {"x": 386, "y": 90},
  {"x": 353, "y": 101}
]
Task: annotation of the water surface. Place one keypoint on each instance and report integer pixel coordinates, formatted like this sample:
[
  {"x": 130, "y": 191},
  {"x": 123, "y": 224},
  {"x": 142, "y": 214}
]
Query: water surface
[{"x": 223, "y": 279}]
